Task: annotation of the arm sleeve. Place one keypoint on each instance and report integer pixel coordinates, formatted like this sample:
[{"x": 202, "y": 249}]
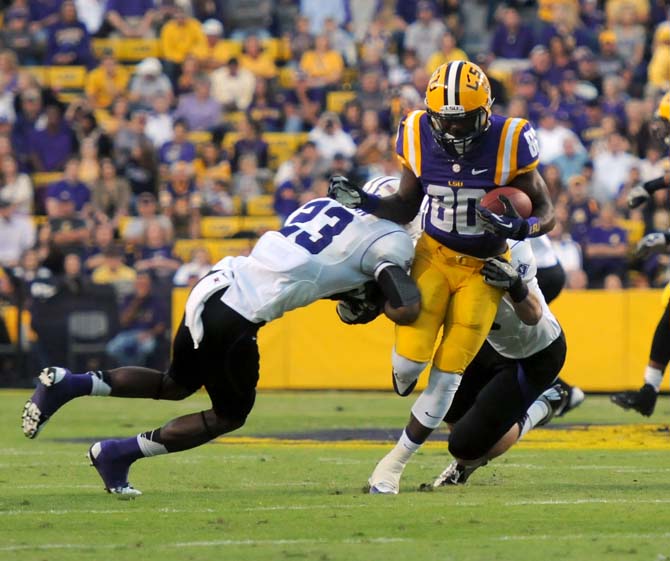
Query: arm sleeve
[
  {"x": 408, "y": 142},
  {"x": 391, "y": 248},
  {"x": 524, "y": 151}
]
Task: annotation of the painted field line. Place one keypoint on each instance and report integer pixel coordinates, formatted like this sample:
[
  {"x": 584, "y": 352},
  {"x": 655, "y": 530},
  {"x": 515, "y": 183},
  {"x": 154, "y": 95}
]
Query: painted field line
[
  {"x": 580, "y": 537},
  {"x": 587, "y": 501},
  {"x": 130, "y": 510}
]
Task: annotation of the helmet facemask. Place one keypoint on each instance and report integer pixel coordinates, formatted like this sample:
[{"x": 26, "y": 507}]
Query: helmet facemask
[{"x": 458, "y": 132}]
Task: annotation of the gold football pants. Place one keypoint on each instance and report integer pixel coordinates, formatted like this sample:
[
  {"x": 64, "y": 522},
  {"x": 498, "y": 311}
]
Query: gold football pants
[{"x": 454, "y": 297}]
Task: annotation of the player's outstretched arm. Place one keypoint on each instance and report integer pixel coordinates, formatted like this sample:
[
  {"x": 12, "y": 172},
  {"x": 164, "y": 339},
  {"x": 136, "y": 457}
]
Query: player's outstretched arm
[
  {"x": 500, "y": 273},
  {"x": 403, "y": 299},
  {"x": 400, "y": 208},
  {"x": 640, "y": 194},
  {"x": 543, "y": 219},
  {"x": 651, "y": 244}
]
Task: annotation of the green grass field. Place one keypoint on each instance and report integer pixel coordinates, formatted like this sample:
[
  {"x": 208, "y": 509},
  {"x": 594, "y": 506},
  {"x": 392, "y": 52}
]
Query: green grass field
[{"x": 588, "y": 493}]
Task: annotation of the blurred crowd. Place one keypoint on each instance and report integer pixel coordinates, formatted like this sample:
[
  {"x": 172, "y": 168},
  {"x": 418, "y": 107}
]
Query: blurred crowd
[{"x": 241, "y": 101}]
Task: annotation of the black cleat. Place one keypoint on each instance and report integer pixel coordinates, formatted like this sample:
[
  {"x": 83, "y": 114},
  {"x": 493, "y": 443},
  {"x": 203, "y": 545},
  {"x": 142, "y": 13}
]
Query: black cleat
[
  {"x": 643, "y": 400},
  {"x": 556, "y": 398},
  {"x": 575, "y": 398}
]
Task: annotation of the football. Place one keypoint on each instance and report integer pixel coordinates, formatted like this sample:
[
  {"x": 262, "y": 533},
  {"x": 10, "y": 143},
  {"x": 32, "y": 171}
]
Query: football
[{"x": 520, "y": 201}]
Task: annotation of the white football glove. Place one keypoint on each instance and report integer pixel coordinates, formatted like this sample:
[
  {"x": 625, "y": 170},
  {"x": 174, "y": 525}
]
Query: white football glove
[
  {"x": 638, "y": 195},
  {"x": 651, "y": 244}
]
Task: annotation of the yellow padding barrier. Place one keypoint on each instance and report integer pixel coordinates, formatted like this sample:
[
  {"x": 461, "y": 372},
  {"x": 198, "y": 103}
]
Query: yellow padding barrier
[
  {"x": 218, "y": 249},
  {"x": 608, "y": 334},
  {"x": 66, "y": 77}
]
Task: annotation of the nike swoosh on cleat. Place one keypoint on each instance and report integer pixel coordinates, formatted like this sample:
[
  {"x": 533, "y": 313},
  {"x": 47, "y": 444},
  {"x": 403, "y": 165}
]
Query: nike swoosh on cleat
[{"x": 479, "y": 171}]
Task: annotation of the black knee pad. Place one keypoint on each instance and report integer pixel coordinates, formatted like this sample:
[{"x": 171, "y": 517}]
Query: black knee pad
[{"x": 660, "y": 344}]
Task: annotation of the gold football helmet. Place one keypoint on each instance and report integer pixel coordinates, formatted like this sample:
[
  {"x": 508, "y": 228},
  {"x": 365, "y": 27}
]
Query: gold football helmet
[
  {"x": 661, "y": 123},
  {"x": 458, "y": 103}
]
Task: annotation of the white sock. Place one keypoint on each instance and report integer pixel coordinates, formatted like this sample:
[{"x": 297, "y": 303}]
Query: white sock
[
  {"x": 536, "y": 412},
  {"x": 654, "y": 377},
  {"x": 404, "y": 449},
  {"x": 100, "y": 387},
  {"x": 149, "y": 447}
]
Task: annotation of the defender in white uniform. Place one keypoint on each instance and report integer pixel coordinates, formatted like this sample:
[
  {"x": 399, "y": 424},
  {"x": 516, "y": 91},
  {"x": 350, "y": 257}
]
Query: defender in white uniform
[
  {"x": 522, "y": 356},
  {"x": 323, "y": 250}
]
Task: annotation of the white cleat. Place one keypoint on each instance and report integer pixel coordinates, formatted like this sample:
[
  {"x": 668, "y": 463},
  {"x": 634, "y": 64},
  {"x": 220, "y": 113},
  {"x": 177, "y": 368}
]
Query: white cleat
[{"x": 385, "y": 479}]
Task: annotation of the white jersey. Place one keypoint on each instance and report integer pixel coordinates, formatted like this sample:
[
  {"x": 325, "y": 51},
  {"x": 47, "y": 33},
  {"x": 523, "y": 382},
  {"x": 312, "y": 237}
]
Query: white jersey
[
  {"x": 545, "y": 256},
  {"x": 324, "y": 248},
  {"x": 510, "y": 336}
]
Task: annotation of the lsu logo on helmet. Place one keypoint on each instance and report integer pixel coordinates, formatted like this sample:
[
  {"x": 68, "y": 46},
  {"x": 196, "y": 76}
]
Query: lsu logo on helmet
[{"x": 458, "y": 103}]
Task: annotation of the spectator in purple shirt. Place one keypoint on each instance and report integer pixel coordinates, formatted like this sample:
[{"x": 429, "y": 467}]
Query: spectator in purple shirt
[
  {"x": 44, "y": 13},
  {"x": 526, "y": 87},
  {"x": 131, "y": 18},
  {"x": 69, "y": 42},
  {"x": 52, "y": 146},
  {"x": 605, "y": 249},
  {"x": 78, "y": 192},
  {"x": 250, "y": 142},
  {"x": 265, "y": 108},
  {"x": 512, "y": 38},
  {"x": 199, "y": 109},
  {"x": 582, "y": 210},
  {"x": 143, "y": 321},
  {"x": 29, "y": 103},
  {"x": 179, "y": 148}
]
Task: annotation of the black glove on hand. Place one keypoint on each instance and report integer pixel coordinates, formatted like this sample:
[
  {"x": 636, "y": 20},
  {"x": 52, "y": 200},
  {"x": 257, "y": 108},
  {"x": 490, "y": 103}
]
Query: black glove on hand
[
  {"x": 500, "y": 273},
  {"x": 361, "y": 305}
]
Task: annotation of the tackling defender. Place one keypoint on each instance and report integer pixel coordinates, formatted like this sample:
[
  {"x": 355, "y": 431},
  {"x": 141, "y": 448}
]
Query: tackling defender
[
  {"x": 324, "y": 249},
  {"x": 644, "y": 400},
  {"x": 454, "y": 152},
  {"x": 522, "y": 356}
]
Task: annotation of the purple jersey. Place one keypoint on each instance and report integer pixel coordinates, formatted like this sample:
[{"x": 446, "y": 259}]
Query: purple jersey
[{"x": 455, "y": 185}]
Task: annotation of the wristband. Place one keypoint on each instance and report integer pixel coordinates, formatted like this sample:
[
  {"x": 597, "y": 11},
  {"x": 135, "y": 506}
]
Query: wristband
[
  {"x": 533, "y": 227},
  {"x": 518, "y": 291}
]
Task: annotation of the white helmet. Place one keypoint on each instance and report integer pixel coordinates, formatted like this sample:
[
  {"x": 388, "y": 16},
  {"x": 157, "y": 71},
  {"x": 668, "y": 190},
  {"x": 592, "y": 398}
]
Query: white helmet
[{"x": 382, "y": 186}]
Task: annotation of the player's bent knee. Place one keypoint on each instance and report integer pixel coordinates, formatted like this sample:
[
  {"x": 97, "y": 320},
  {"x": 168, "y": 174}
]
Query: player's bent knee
[
  {"x": 406, "y": 370},
  {"x": 434, "y": 402}
]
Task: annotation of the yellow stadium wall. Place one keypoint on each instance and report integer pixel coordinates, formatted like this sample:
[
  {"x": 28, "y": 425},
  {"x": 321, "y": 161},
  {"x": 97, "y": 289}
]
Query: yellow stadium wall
[{"x": 608, "y": 335}]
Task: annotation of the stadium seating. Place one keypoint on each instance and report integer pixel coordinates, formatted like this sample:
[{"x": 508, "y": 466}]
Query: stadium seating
[
  {"x": 218, "y": 249},
  {"x": 335, "y": 101}
]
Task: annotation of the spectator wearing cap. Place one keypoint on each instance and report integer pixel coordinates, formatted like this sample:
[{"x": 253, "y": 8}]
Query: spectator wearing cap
[
  {"x": 179, "y": 148},
  {"x": 131, "y": 18},
  {"x": 587, "y": 68},
  {"x": 155, "y": 253},
  {"x": 233, "y": 86},
  {"x": 448, "y": 51},
  {"x": 15, "y": 186},
  {"x": 52, "y": 146},
  {"x": 256, "y": 60},
  {"x": 658, "y": 71},
  {"x": 609, "y": 61},
  {"x": 199, "y": 109},
  {"x": 77, "y": 192},
  {"x": 605, "y": 251},
  {"x": 17, "y": 233},
  {"x": 214, "y": 52},
  {"x": 512, "y": 39},
  {"x": 317, "y": 11},
  {"x": 69, "y": 231},
  {"x": 147, "y": 212},
  {"x": 106, "y": 82},
  {"x": 552, "y": 135},
  {"x": 330, "y": 139},
  {"x": 611, "y": 167},
  {"x": 424, "y": 35},
  {"x": 541, "y": 68},
  {"x": 148, "y": 82},
  {"x": 15, "y": 35},
  {"x": 526, "y": 87},
  {"x": 69, "y": 42},
  {"x": 180, "y": 36},
  {"x": 570, "y": 103}
]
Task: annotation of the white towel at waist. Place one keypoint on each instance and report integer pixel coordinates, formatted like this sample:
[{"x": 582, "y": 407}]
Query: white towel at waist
[{"x": 196, "y": 301}]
